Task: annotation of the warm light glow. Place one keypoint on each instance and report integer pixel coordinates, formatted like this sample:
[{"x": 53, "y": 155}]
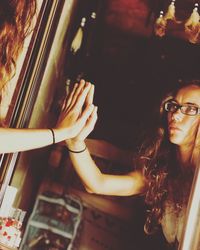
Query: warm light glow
[
  {"x": 191, "y": 25},
  {"x": 160, "y": 25}
]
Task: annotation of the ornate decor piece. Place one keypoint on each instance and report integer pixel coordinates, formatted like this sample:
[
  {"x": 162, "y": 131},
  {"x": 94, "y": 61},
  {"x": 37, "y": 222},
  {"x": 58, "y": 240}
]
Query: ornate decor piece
[{"x": 191, "y": 25}]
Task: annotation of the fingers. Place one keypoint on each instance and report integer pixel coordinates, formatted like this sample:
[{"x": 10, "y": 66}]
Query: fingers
[
  {"x": 89, "y": 126},
  {"x": 71, "y": 99},
  {"x": 81, "y": 86},
  {"x": 90, "y": 96},
  {"x": 92, "y": 119},
  {"x": 80, "y": 101},
  {"x": 68, "y": 99},
  {"x": 85, "y": 115},
  {"x": 78, "y": 96}
]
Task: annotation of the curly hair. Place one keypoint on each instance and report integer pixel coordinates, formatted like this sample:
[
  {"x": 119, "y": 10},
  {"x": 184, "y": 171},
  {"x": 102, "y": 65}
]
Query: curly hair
[
  {"x": 16, "y": 18},
  {"x": 158, "y": 160}
]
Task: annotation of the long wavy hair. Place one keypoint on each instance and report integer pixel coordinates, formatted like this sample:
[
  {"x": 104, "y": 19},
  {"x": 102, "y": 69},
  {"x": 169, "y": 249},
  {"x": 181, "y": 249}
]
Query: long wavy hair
[
  {"x": 16, "y": 18},
  {"x": 160, "y": 165}
]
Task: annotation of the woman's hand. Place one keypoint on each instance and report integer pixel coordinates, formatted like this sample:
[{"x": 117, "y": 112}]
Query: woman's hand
[
  {"x": 74, "y": 113},
  {"x": 76, "y": 142}
]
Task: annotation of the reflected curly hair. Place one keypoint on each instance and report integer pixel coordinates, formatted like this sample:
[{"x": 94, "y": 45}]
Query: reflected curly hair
[
  {"x": 16, "y": 18},
  {"x": 158, "y": 160}
]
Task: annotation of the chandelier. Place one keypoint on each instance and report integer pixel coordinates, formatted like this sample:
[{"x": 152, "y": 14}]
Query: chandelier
[{"x": 191, "y": 24}]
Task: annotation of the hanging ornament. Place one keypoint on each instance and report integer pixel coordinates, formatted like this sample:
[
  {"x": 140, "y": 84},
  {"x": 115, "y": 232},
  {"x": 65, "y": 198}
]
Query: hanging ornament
[
  {"x": 192, "y": 25},
  {"x": 170, "y": 14},
  {"x": 77, "y": 41},
  {"x": 160, "y": 25}
]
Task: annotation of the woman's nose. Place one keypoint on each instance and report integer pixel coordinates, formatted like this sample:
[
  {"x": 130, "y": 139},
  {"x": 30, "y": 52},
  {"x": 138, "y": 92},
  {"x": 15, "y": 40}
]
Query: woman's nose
[{"x": 177, "y": 115}]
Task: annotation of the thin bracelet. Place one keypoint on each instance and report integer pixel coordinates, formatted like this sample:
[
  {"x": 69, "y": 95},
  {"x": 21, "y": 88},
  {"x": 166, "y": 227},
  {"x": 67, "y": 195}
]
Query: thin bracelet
[
  {"x": 53, "y": 135},
  {"x": 77, "y": 152}
]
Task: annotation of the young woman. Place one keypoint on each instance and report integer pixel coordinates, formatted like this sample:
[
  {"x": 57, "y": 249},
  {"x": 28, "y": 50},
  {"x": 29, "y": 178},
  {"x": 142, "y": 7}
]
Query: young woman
[
  {"x": 16, "y": 19},
  {"x": 165, "y": 166}
]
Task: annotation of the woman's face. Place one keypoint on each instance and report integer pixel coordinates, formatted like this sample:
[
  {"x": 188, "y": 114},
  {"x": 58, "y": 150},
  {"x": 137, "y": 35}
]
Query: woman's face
[{"x": 183, "y": 128}]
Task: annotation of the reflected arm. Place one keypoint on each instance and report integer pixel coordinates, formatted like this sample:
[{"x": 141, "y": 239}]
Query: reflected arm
[{"x": 97, "y": 182}]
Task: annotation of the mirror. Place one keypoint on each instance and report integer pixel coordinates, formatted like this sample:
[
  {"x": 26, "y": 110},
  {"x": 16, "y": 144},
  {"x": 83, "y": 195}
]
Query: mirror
[{"x": 114, "y": 46}]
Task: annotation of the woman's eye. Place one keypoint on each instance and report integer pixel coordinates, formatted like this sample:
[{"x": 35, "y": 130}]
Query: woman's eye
[{"x": 191, "y": 109}]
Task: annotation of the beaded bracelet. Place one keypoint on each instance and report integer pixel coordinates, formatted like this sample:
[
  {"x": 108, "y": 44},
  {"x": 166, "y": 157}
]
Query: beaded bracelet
[{"x": 77, "y": 152}]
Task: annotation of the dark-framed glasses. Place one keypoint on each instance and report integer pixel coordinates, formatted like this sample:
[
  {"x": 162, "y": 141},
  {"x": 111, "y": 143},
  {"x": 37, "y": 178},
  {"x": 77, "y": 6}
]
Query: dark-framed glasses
[{"x": 186, "y": 109}]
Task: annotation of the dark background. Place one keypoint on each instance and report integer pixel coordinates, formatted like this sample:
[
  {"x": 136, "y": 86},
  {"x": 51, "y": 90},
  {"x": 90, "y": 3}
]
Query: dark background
[{"x": 131, "y": 68}]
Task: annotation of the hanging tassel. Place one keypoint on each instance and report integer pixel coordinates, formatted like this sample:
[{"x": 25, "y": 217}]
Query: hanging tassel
[
  {"x": 170, "y": 14},
  {"x": 192, "y": 26},
  {"x": 160, "y": 25},
  {"x": 77, "y": 41}
]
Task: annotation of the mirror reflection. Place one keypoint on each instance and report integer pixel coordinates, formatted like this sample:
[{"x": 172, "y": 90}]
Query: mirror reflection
[{"x": 102, "y": 122}]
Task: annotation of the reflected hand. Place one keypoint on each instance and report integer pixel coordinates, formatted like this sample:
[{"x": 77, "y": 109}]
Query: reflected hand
[
  {"x": 88, "y": 128},
  {"x": 89, "y": 125},
  {"x": 74, "y": 116}
]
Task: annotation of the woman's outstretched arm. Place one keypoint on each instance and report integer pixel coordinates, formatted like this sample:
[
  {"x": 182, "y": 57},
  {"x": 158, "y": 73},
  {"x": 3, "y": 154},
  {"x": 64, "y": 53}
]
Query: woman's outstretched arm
[
  {"x": 72, "y": 119},
  {"x": 97, "y": 182},
  {"x": 93, "y": 179}
]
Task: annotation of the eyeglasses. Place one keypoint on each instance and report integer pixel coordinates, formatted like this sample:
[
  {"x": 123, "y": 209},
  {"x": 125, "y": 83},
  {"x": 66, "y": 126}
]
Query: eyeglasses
[{"x": 186, "y": 109}]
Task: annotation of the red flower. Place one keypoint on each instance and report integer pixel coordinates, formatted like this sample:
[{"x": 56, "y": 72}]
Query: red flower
[{"x": 5, "y": 233}]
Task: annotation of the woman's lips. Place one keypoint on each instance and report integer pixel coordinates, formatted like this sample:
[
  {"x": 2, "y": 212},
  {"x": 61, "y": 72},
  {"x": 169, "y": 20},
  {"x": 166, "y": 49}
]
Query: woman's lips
[{"x": 174, "y": 128}]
